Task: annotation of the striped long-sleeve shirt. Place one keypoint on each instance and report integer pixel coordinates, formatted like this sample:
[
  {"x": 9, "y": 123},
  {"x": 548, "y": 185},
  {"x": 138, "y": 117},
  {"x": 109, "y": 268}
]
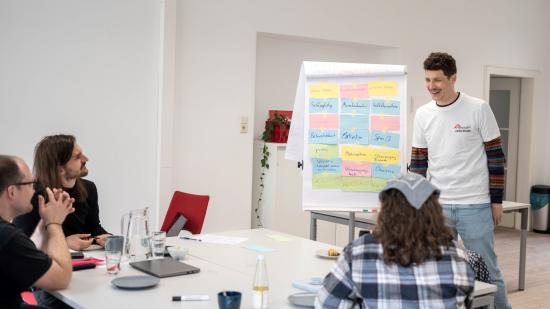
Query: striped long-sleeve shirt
[{"x": 495, "y": 165}]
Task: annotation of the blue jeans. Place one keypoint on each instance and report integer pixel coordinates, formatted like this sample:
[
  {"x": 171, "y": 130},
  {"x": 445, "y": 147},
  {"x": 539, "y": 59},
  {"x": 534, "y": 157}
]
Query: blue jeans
[{"x": 474, "y": 224}]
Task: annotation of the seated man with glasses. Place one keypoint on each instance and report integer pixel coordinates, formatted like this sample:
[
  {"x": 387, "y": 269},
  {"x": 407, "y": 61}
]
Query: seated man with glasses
[
  {"x": 409, "y": 261},
  {"x": 60, "y": 162},
  {"x": 22, "y": 265}
]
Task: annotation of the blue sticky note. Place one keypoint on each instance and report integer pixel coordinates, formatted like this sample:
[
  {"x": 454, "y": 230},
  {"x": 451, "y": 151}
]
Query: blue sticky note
[
  {"x": 323, "y": 105},
  {"x": 323, "y": 136},
  {"x": 258, "y": 248},
  {"x": 355, "y": 106},
  {"x": 385, "y": 139},
  {"x": 354, "y": 136},
  {"x": 386, "y": 107},
  {"x": 333, "y": 166},
  {"x": 354, "y": 121},
  {"x": 385, "y": 171}
]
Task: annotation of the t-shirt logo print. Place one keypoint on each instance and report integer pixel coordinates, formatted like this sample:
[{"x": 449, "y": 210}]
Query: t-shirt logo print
[{"x": 460, "y": 128}]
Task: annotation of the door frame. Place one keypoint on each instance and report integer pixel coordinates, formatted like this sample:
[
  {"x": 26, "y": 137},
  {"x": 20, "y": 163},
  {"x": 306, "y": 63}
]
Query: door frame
[{"x": 528, "y": 98}]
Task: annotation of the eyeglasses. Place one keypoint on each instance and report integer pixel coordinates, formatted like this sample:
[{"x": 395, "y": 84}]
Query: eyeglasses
[{"x": 34, "y": 183}]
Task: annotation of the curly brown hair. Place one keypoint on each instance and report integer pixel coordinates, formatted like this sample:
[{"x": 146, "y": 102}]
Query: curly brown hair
[
  {"x": 441, "y": 61},
  {"x": 409, "y": 235}
]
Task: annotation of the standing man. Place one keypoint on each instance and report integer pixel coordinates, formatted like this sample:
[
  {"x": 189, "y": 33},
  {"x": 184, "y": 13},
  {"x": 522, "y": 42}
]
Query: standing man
[
  {"x": 22, "y": 265},
  {"x": 457, "y": 141},
  {"x": 60, "y": 163}
]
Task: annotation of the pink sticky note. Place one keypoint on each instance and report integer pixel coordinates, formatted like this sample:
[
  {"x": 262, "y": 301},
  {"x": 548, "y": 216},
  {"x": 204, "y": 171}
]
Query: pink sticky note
[
  {"x": 353, "y": 168},
  {"x": 384, "y": 123},
  {"x": 323, "y": 121},
  {"x": 357, "y": 91}
]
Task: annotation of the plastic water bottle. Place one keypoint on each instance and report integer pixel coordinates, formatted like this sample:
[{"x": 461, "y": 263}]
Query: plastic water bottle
[{"x": 260, "y": 286}]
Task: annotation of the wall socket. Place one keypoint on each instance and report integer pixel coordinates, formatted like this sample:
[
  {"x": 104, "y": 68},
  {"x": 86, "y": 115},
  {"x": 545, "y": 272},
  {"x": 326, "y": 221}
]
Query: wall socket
[{"x": 244, "y": 124}]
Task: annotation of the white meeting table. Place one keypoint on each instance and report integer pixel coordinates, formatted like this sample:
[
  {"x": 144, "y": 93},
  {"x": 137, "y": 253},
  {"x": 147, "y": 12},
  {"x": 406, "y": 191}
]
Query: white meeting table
[
  {"x": 368, "y": 221},
  {"x": 223, "y": 267}
]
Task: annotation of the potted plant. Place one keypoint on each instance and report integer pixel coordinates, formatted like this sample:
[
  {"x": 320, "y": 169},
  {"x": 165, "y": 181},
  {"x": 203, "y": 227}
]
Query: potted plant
[{"x": 275, "y": 131}]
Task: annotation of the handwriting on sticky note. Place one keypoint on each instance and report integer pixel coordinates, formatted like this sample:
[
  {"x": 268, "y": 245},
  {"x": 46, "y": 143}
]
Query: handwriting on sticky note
[
  {"x": 390, "y": 107},
  {"x": 357, "y": 153},
  {"x": 354, "y": 91},
  {"x": 322, "y": 151},
  {"x": 383, "y": 88},
  {"x": 323, "y": 90},
  {"x": 353, "y": 168},
  {"x": 331, "y": 166}
]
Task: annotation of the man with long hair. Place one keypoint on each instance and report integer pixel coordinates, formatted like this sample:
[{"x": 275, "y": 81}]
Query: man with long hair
[
  {"x": 22, "y": 264},
  {"x": 411, "y": 260},
  {"x": 457, "y": 145},
  {"x": 60, "y": 163}
]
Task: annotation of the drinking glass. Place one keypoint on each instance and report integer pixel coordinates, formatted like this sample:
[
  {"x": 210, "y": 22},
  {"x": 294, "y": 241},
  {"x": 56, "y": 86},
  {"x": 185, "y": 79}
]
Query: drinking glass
[
  {"x": 159, "y": 240},
  {"x": 113, "y": 253}
]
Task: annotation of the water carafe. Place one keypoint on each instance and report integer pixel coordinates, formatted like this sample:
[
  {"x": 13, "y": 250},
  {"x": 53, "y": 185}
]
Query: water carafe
[{"x": 137, "y": 241}]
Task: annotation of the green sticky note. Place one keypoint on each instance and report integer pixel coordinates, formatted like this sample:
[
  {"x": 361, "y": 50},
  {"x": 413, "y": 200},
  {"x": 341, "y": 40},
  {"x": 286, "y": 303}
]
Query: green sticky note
[
  {"x": 322, "y": 151},
  {"x": 363, "y": 184},
  {"x": 326, "y": 181},
  {"x": 279, "y": 237}
]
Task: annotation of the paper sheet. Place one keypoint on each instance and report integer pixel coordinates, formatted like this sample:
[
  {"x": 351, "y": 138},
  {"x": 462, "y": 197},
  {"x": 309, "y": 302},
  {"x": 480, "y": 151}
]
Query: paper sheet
[{"x": 216, "y": 239}]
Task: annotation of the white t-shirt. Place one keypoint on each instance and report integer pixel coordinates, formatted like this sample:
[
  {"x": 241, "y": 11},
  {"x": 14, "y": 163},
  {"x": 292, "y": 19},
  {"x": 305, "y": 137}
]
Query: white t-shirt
[{"x": 454, "y": 136}]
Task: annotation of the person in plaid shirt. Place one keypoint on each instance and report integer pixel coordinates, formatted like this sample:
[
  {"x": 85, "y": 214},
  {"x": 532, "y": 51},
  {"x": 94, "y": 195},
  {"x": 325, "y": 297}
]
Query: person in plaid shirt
[{"x": 410, "y": 260}]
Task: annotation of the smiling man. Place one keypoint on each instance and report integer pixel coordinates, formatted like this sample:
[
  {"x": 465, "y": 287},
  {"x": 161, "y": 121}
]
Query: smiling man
[
  {"x": 456, "y": 142},
  {"x": 60, "y": 163}
]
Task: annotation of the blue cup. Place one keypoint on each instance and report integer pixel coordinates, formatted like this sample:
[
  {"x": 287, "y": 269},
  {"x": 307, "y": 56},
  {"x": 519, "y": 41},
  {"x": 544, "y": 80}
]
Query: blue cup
[{"x": 229, "y": 300}]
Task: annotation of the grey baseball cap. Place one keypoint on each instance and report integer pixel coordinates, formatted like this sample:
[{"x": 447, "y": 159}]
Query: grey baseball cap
[{"x": 414, "y": 187}]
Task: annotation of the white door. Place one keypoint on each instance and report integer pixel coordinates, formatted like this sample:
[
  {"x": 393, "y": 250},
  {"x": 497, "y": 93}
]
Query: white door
[{"x": 504, "y": 100}]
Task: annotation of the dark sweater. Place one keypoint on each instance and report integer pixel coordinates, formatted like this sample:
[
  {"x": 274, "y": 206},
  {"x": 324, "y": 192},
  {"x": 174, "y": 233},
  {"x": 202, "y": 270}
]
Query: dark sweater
[{"x": 84, "y": 220}]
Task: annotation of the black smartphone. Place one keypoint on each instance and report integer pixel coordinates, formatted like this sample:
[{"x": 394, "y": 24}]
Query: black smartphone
[
  {"x": 84, "y": 266},
  {"x": 77, "y": 255}
]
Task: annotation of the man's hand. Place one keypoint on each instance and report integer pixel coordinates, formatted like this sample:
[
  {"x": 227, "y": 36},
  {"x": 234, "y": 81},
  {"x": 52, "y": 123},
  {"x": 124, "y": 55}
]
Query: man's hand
[
  {"x": 101, "y": 239},
  {"x": 497, "y": 213},
  {"x": 59, "y": 205},
  {"x": 79, "y": 242}
]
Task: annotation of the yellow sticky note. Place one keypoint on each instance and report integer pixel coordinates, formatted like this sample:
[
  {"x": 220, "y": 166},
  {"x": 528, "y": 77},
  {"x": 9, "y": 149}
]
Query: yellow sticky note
[
  {"x": 386, "y": 156},
  {"x": 357, "y": 153},
  {"x": 323, "y": 91},
  {"x": 383, "y": 88}
]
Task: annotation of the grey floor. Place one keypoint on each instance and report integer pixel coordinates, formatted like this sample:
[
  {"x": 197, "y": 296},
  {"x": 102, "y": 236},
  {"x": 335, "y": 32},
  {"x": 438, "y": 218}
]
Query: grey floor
[{"x": 537, "y": 274}]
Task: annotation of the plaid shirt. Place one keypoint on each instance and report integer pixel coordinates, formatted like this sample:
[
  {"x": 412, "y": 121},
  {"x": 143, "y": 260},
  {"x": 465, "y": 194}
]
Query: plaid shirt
[{"x": 361, "y": 279}]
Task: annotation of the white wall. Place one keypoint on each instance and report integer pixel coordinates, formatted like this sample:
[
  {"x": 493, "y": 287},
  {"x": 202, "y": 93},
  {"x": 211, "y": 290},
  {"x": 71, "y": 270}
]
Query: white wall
[
  {"x": 89, "y": 68},
  {"x": 216, "y": 59}
]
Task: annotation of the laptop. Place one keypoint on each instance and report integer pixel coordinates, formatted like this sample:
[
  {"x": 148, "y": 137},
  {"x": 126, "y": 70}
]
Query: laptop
[{"x": 165, "y": 267}]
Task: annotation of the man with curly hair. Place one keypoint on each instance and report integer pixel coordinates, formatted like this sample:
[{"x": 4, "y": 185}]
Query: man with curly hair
[{"x": 456, "y": 145}]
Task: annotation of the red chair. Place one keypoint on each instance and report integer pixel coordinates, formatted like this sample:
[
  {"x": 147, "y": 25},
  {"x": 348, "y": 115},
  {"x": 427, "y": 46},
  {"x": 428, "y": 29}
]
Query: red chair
[{"x": 191, "y": 206}]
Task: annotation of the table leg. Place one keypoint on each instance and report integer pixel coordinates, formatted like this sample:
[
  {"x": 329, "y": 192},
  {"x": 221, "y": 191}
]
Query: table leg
[
  {"x": 351, "y": 226},
  {"x": 312, "y": 226},
  {"x": 523, "y": 248}
]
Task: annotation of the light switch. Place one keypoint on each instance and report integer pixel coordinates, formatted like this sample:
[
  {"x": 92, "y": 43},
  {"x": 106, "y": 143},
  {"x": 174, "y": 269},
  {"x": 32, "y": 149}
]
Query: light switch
[{"x": 244, "y": 124}]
